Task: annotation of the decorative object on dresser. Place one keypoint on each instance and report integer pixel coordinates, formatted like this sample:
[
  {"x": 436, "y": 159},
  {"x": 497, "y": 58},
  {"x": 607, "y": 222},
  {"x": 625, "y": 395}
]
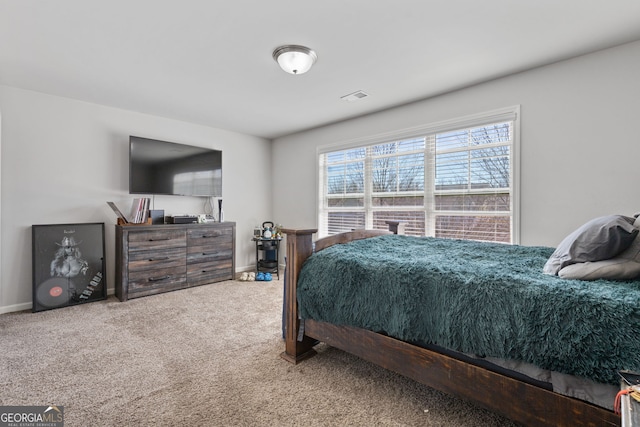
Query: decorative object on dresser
[
  {"x": 140, "y": 213},
  {"x": 161, "y": 258},
  {"x": 68, "y": 265},
  {"x": 182, "y": 219},
  {"x": 121, "y": 221},
  {"x": 157, "y": 216}
]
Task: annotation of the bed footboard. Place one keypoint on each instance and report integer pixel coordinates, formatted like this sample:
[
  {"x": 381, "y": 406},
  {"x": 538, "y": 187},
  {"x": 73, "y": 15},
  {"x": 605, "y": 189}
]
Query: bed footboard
[{"x": 300, "y": 246}]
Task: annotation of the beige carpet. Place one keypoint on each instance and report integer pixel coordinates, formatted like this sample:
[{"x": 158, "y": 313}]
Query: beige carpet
[{"x": 207, "y": 356}]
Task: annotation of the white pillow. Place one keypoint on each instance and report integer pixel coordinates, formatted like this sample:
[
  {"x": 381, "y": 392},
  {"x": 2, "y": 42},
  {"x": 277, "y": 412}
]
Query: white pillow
[{"x": 623, "y": 267}]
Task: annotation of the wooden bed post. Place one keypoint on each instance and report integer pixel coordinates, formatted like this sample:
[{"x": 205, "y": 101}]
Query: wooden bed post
[
  {"x": 299, "y": 248},
  {"x": 396, "y": 227}
]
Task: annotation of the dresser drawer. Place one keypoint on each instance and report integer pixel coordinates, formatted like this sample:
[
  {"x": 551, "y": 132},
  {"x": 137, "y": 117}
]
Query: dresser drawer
[
  {"x": 160, "y": 279},
  {"x": 204, "y": 273},
  {"x": 161, "y": 239},
  {"x": 163, "y": 258},
  {"x": 197, "y": 236},
  {"x": 207, "y": 253},
  {"x": 207, "y": 245}
]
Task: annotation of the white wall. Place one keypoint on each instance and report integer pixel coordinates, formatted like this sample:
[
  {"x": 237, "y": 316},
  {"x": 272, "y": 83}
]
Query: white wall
[
  {"x": 62, "y": 160},
  {"x": 579, "y": 142}
]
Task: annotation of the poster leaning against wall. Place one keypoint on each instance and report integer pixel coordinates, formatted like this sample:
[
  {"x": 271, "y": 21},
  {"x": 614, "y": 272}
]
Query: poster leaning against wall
[{"x": 68, "y": 265}]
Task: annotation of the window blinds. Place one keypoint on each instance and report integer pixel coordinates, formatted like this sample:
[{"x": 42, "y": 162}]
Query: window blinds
[{"x": 452, "y": 181}]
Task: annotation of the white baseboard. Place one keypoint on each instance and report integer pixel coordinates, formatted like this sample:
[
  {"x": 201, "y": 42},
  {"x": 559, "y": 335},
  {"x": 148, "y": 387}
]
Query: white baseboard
[
  {"x": 29, "y": 305},
  {"x": 16, "y": 307},
  {"x": 110, "y": 291}
]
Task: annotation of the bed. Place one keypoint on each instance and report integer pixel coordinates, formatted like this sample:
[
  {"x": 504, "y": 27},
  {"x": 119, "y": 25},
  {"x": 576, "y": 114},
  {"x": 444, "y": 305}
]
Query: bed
[{"x": 587, "y": 330}]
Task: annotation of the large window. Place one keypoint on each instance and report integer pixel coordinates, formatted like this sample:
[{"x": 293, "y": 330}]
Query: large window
[{"x": 453, "y": 180}]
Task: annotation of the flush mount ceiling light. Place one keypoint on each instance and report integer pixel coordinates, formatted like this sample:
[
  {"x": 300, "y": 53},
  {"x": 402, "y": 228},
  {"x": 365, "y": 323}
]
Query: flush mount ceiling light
[{"x": 294, "y": 59}]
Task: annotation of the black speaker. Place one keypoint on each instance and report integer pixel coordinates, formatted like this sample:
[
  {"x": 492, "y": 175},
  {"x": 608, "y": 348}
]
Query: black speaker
[{"x": 157, "y": 216}]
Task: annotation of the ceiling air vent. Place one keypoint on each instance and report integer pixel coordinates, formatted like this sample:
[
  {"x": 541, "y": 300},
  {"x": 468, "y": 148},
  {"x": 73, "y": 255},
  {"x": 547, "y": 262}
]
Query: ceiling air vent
[{"x": 355, "y": 96}]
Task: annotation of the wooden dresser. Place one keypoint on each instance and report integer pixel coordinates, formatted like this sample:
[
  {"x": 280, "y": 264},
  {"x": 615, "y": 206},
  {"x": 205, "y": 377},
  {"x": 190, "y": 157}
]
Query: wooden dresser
[{"x": 151, "y": 259}]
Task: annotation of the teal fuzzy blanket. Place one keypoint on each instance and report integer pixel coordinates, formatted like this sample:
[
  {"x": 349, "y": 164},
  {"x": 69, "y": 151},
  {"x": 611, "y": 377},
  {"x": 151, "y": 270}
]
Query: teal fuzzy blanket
[{"x": 481, "y": 298}]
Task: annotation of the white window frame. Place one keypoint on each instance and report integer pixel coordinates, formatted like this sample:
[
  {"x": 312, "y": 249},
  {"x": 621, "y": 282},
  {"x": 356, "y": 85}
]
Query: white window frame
[{"x": 494, "y": 116}]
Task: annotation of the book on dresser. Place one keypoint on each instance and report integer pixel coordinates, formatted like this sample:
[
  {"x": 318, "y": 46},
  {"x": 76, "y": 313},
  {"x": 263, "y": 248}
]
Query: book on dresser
[
  {"x": 160, "y": 258},
  {"x": 139, "y": 210}
]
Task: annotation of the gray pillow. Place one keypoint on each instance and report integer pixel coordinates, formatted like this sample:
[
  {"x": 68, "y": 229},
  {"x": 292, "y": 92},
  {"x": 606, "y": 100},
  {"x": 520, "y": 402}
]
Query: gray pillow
[
  {"x": 625, "y": 266},
  {"x": 599, "y": 239}
]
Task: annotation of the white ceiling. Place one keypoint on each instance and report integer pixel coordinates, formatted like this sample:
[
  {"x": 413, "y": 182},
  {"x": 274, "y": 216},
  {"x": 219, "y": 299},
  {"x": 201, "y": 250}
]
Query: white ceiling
[{"x": 209, "y": 61}]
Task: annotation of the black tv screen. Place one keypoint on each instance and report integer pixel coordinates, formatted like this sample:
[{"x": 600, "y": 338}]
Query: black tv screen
[{"x": 161, "y": 167}]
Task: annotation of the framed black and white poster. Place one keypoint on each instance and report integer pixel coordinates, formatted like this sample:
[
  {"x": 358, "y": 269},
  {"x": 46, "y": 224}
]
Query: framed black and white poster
[{"x": 68, "y": 265}]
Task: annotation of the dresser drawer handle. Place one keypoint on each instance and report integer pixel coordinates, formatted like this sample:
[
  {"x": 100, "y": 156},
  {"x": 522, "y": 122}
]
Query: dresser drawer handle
[
  {"x": 157, "y": 279},
  {"x": 159, "y": 259},
  {"x": 158, "y": 240}
]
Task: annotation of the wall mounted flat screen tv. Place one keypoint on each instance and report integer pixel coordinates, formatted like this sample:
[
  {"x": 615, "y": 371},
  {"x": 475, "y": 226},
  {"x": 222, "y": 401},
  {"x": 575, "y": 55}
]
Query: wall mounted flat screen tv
[{"x": 162, "y": 167}]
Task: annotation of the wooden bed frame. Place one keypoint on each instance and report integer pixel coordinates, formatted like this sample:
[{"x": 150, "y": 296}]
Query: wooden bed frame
[{"x": 520, "y": 401}]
